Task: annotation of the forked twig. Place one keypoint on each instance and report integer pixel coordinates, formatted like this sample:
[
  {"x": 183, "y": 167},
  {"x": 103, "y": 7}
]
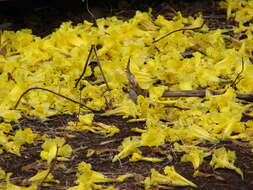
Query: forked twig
[
  {"x": 108, "y": 103},
  {"x": 55, "y": 93},
  {"x": 182, "y": 29},
  {"x": 101, "y": 70},
  {"x": 85, "y": 66},
  {"x": 93, "y": 48}
]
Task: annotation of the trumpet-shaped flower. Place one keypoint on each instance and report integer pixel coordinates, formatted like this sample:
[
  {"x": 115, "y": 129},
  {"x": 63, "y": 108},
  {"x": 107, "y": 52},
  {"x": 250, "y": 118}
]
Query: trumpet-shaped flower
[
  {"x": 223, "y": 158},
  {"x": 129, "y": 146},
  {"x": 138, "y": 157},
  {"x": 44, "y": 176},
  {"x": 171, "y": 178},
  {"x": 87, "y": 178},
  {"x": 195, "y": 156},
  {"x": 55, "y": 149}
]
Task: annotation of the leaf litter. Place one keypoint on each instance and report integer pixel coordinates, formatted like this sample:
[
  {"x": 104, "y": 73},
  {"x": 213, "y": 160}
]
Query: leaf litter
[{"x": 139, "y": 61}]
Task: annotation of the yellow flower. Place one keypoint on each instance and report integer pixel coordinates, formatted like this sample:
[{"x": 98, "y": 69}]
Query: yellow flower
[
  {"x": 87, "y": 178},
  {"x": 138, "y": 157},
  {"x": 150, "y": 137},
  {"x": 2, "y": 174},
  {"x": 24, "y": 136},
  {"x": 223, "y": 158},
  {"x": 171, "y": 178},
  {"x": 55, "y": 149},
  {"x": 129, "y": 146},
  {"x": 11, "y": 186},
  {"x": 5, "y": 127},
  {"x": 195, "y": 156},
  {"x": 43, "y": 175}
]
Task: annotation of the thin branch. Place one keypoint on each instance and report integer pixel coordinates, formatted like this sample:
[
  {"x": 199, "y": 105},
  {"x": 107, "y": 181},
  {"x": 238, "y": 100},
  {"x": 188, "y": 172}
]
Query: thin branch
[
  {"x": 202, "y": 93},
  {"x": 79, "y": 108},
  {"x": 108, "y": 103},
  {"x": 182, "y": 29},
  {"x": 85, "y": 66},
  {"x": 88, "y": 10},
  {"x": 101, "y": 70},
  {"x": 247, "y": 97},
  {"x": 188, "y": 93},
  {"x": 57, "y": 94},
  {"x": 237, "y": 79}
]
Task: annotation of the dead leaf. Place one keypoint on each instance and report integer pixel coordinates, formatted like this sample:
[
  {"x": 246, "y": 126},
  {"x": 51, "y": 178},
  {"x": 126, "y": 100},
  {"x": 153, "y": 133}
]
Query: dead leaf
[
  {"x": 134, "y": 89},
  {"x": 3, "y": 51}
]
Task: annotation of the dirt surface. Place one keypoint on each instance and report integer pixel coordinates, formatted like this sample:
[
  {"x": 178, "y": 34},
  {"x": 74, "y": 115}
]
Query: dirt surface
[
  {"x": 43, "y": 17},
  {"x": 27, "y": 165}
]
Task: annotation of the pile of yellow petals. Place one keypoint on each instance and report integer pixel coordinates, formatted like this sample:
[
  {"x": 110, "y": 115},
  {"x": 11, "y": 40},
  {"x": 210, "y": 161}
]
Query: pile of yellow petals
[
  {"x": 240, "y": 11},
  {"x": 57, "y": 60},
  {"x": 13, "y": 143},
  {"x": 86, "y": 123}
]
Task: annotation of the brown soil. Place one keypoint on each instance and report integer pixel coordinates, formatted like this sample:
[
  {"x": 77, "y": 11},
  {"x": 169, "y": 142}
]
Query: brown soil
[{"x": 43, "y": 17}]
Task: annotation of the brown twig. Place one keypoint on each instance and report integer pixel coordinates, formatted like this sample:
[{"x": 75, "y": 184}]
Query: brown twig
[
  {"x": 79, "y": 108},
  {"x": 202, "y": 93},
  {"x": 237, "y": 79},
  {"x": 188, "y": 93},
  {"x": 85, "y": 66},
  {"x": 101, "y": 70},
  {"x": 182, "y": 29},
  {"x": 57, "y": 94},
  {"x": 108, "y": 103}
]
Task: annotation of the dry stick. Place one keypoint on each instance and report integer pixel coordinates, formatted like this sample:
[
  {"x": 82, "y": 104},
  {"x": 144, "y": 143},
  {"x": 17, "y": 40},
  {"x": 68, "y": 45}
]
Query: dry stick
[
  {"x": 79, "y": 108},
  {"x": 188, "y": 93},
  {"x": 62, "y": 96},
  {"x": 109, "y": 104},
  {"x": 101, "y": 70},
  {"x": 237, "y": 79},
  {"x": 88, "y": 10},
  {"x": 85, "y": 66},
  {"x": 202, "y": 93},
  {"x": 182, "y": 29}
]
